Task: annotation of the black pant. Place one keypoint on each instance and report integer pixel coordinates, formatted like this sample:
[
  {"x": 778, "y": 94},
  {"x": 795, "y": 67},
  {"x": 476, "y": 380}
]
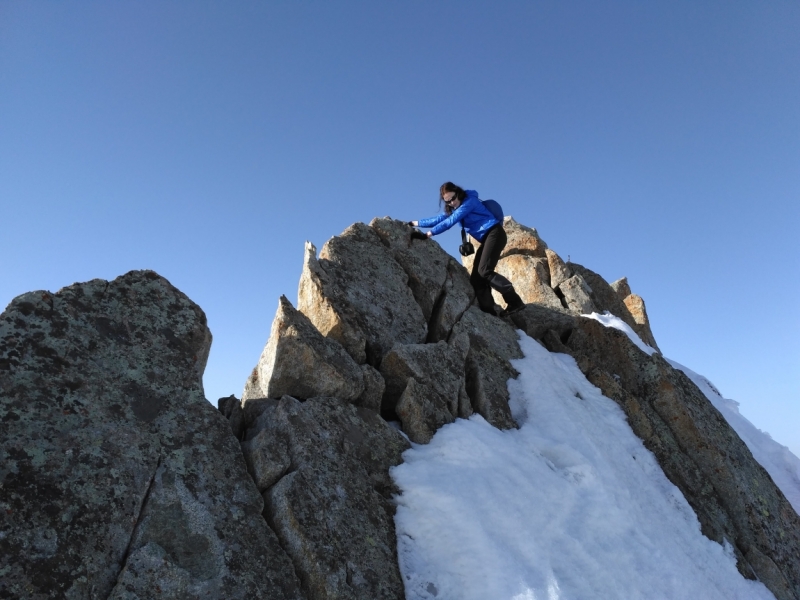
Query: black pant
[{"x": 483, "y": 278}]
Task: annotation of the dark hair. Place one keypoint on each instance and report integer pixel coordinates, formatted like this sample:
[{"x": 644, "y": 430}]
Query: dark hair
[{"x": 449, "y": 186}]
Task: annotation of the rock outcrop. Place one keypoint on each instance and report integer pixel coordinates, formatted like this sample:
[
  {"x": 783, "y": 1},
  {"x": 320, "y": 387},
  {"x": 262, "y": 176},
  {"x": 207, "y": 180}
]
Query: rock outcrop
[
  {"x": 120, "y": 480},
  {"x": 357, "y": 294},
  {"x": 118, "y": 477},
  {"x": 735, "y": 499}
]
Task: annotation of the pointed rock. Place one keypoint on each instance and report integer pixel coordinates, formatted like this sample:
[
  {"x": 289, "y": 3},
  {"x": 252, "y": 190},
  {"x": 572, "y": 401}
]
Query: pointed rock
[
  {"x": 621, "y": 287},
  {"x": 299, "y": 361},
  {"x": 358, "y": 294},
  {"x": 559, "y": 272},
  {"x": 635, "y": 304}
]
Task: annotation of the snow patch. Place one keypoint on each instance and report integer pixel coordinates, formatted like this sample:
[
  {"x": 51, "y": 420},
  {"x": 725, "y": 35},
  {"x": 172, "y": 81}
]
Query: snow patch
[{"x": 610, "y": 320}]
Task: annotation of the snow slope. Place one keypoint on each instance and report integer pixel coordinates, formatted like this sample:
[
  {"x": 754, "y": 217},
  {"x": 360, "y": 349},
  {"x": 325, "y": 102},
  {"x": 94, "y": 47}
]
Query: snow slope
[{"x": 571, "y": 505}]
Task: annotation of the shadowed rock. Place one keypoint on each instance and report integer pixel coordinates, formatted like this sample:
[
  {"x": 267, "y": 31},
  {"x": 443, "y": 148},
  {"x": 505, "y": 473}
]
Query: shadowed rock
[
  {"x": 323, "y": 467},
  {"x": 621, "y": 288},
  {"x": 492, "y": 344},
  {"x": 118, "y": 477},
  {"x": 299, "y": 361},
  {"x": 422, "y": 411},
  {"x": 231, "y": 409},
  {"x": 536, "y": 320},
  {"x": 457, "y": 296},
  {"x": 577, "y": 295},
  {"x": 733, "y": 496},
  {"x": 357, "y": 294},
  {"x": 439, "y": 373}
]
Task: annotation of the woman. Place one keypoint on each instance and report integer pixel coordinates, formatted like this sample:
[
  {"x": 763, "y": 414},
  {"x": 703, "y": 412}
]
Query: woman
[{"x": 466, "y": 208}]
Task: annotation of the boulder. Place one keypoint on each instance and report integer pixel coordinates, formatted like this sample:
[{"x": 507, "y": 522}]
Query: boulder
[
  {"x": 577, "y": 295},
  {"x": 357, "y": 294},
  {"x": 299, "y": 361},
  {"x": 531, "y": 280},
  {"x": 424, "y": 261},
  {"x": 118, "y": 477},
  {"x": 438, "y": 370},
  {"x": 559, "y": 272},
  {"x": 323, "y": 467},
  {"x": 522, "y": 240},
  {"x": 457, "y": 296},
  {"x": 621, "y": 288},
  {"x": 734, "y": 498},
  {"x": 635, "y": 305},
  {"x": 492, "y": 344}
]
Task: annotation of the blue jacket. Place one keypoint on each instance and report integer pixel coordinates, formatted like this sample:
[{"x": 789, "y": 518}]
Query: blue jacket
[{"x": 476, "y": 218}]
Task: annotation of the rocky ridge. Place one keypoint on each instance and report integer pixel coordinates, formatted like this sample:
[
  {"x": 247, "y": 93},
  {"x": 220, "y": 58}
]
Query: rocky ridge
[{"x": 120, "y": 480}]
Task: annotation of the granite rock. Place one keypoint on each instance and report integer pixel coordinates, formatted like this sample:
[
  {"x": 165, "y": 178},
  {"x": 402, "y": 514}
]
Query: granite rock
[
  {"x": 636, "y": 307},
  {"x": 559, "y": 272},
  {"x": 118, "y": 476},
  {"x": 457, "y": 296},
  {"x": 531, "y": 279},
  {"x": 329, "y": 495},
  {"x": 522, "y": 240},
  {"x": 424, "y": 261},
  {"x": 577, "y": 295},
  {"x": 438, "y": 370},
  {"x": 492, "y": 344},
  {"x": 358, "y": 294}
]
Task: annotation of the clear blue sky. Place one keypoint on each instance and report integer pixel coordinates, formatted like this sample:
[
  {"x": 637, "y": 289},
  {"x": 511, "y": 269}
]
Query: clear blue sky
[{"x": 208, "y": 140}]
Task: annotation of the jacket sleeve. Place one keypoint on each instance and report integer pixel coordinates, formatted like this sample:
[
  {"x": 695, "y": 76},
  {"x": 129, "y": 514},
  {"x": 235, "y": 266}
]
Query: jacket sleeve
[
  {"x": 454, "y": 217},
  {"x": 431, "y": 221}
]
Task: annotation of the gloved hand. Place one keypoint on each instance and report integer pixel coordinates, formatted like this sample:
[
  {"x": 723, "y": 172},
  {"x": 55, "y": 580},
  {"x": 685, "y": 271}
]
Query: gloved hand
[
  {"x": 418, "y": 235},
  {"x": 411, "y": 224}
]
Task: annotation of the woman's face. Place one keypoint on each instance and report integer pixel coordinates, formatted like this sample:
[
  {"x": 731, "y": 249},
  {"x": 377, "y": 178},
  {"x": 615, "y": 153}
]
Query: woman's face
[{"x": 451, "y": 200}]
